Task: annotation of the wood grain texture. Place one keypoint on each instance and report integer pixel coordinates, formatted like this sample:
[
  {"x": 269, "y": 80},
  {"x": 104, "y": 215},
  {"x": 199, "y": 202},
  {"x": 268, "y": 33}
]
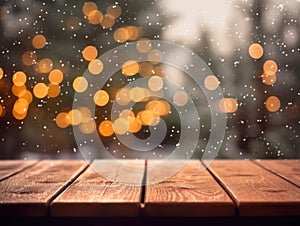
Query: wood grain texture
[
  {"x": 190, "y": 192},
  {"x": 256, "y": 191},
  {"x": 28, "y": 192},
  {"x": 11, "y": 167},
  {"x": 288, "y": 169},
  {"x": 93, "y": 195}
]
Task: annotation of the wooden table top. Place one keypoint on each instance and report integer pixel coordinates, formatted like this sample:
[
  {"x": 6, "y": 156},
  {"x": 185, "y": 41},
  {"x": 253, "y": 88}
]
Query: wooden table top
[{"x": 71, "y": 188}]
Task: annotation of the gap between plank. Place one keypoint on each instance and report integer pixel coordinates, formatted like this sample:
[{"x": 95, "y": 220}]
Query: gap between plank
[
  {"x": 274, "y": 172},
  {"x": 64, "y": 187},
  {"x": 143, "y": 192},
  {"x": 19, "y": 171},
  {"x": 224, "y": 188}
]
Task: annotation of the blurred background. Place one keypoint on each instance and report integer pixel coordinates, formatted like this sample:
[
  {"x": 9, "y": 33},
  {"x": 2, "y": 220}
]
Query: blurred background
[{"x": 251, "y": 46}]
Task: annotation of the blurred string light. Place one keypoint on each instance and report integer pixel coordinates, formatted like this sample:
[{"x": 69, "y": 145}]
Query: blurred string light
[
  {"x": 268, "y": 77},
  {"x": 128, "y": 120}
]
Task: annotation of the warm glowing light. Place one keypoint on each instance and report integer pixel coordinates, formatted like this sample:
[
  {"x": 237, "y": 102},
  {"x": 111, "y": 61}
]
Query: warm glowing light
[
  {"x": 256, "y": 51},
  {"x": 1, "y": 73},
  {"x": 135, "y": 125},
  {"x": 158, "y": 70},
  {"x": 19, "y": 78},
  {"x": 130, "y": 68},
  {"x": 120, "y": 126},
  {"x": 137, "y": 94},
  {"x": 101, "y": 98},
  {"x": 87, "y": 127},
  {"x": 155, "y": 83},
  {"x": 95, "y": 17},
  {"x": 272, "y": 104},
  {"x": 146, "y": 69},
  {"x": 270, "y": 67},
  {"x": 106, "y": 128},
  {"x": 268, "y": 79},
  {"x": 180, "y": 98},
  {"x": 108, "y": 21},
  {"x": 95, "y": 67},
  {"x": 39, "y": 41},
  {"x": 121, "y": 35},
  {"x": 211, "y": 82},
  {"x": 127, "y": 114},
  {"x": 74, "y": 117},
  {"x": 143, "y": 45},
  {"x": 56, "y": 76},
  {"x": 25, "y": 94},
  {"x": 1, "y": 111},
  {"x": 40, "y": 90},
  {"x": 53, "y": 90},
  {"x": 29, "y": 58},
  {"x": 73, "y": 23},
  {"x": 88, "y": 7},
  {"x": 122, "y": 97},
  {"x": 45, "y": 65},
  {"x": 114, "y": 10},
  {"x": 228, "y": 105},
  {"x": 159, "y": 107},
  {"x": 21, "y": 106},
  {"x": 86, "y": 114},
  {"x": 133, "y": 32},
  {"x": 90, "y": 53},
  {"x": 61, "y": 120},
  {"x": 154, "y": 56},
  {"x": 149, "y": 118},
  {"x": 19, "y": 116},
  {"x": 17, "y": 89},
  {"x": 80, "y": 84}
]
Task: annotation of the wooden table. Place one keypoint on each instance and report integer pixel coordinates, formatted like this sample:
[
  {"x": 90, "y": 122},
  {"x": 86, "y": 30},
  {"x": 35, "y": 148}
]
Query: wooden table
[{"x": 232, "y": 190}]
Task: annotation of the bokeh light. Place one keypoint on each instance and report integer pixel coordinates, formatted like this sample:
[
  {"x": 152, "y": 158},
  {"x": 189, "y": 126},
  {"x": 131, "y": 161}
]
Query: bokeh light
[
  {"x": 211, "y": 82},
  {"x": 269, "y": 79},
  {"x": 90, "y": 53},
  {"x": 270, "y": 67},
  {"x": 95, "y": 66},
  {"x": 29, "y": 58},
  {"x": 61, "y": 120},
  {"x": 143, "y": 45},
  {"x": 114, "y": 10},
  {"x": 228, "y": 105},
  {"x": 159, "y": 107},
  {"x": 120, "y": 126},
  {"x": 1, "y": 73},
  {"x": 45, "y": 65},
  {"x": 56, "y": 76},
  {"x": 256, "y": 51},
  {"x": 74, "y": 117},
  {"x": 155, "y": 83},
  {"x": 80, "y": 84},
  {"x": 39, "y": 41},
  {"x": 40, "y": 90},
  {"x": 180, "y": 98},
  {"x": 19, "y": 78},
  {"x": 88, "y": 7},
  {"x": 106, "y": 128},
  {"x": 53, "y": 90},
  {"x": 108, "y": 21},
  {"x": 122, "y": 97},
  {"x": 121, "y": 35},
  {"x": 146, "y": 69},
  {"x": 130, "y": 68},
  {"x": 101, "y": 98},
  {"x": 154, "y": 56},
  {"x": 95, "y": 17},
  {"x": 272, "y": 104},
  {"x": 137, "y": 94}
]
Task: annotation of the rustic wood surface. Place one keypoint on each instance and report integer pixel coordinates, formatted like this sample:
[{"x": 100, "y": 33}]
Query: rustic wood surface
[
  {"x": 95, "y": 195},
  {"x": 256, "y": 191},
  {"x": 288, "y": 169},
  {"x": 11, "y": 167},
  {"x": 72, "y": 188},
  {"x": 190, "y": 192},
  {"x": 29, "y": 192}
]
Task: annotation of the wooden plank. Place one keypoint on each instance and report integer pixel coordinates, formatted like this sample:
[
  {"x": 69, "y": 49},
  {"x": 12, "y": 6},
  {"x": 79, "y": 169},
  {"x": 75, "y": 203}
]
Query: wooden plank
[
  {"x": 190, "y": 192},
  {"x": 29, "y": 192},
  {"x": 93, "y": 195},
  {"x": 288, "y": 169},
  {"x": 256, "y": 191},
  {"x": 11, "y": 167}
]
